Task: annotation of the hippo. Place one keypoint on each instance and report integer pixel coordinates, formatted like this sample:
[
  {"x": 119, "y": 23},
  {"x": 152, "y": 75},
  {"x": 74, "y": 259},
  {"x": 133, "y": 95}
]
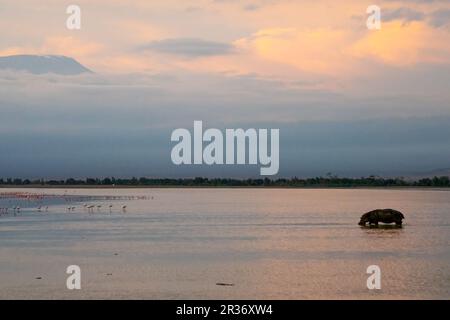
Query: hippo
[{"x": 382, "y": 215}]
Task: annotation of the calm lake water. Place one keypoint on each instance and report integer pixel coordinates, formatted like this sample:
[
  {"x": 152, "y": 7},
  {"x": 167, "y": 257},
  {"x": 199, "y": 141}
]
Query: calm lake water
[{"x": 268, "y": 243}]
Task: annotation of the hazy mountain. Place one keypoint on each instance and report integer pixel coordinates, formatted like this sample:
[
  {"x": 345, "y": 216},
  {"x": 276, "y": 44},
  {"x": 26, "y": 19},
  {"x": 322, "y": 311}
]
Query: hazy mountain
[{"x": 43, "y": 64}]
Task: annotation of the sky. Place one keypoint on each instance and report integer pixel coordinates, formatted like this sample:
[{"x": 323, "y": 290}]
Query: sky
[{"x": 347, "y": 100}]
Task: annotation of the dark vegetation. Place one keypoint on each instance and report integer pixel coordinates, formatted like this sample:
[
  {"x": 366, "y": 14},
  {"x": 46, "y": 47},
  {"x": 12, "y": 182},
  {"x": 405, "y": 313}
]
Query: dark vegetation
[{"x": 329, "y": 181}]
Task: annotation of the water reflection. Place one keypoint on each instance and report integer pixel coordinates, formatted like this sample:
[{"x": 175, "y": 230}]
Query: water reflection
[
  {"x": 390, "y": 231},
  {"x": 382, "y": 227}
]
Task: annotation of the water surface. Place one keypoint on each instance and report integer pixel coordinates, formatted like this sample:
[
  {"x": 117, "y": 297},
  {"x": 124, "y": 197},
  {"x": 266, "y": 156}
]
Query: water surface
[{"x": 268, "y": 243}]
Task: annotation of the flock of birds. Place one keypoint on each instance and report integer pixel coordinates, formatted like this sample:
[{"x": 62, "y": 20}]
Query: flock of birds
[
  {"x": 33, "y": 202},
  {"x": 7, "y": 210},
  {"x": 89, "y": 208}
]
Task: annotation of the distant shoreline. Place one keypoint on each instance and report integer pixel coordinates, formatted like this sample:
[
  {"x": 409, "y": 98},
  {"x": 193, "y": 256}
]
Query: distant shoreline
[
  {"x": 221, "y": 187},
  {"x": 328, "y": 182}
]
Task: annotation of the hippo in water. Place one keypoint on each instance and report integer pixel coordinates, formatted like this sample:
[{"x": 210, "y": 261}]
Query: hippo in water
[{"x": 382, "y": 215}]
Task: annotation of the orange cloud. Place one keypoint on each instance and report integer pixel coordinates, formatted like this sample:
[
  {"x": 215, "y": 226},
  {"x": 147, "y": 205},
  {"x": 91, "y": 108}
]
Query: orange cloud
[
  {"x": 402, "y": 44},
  {"x": 12, "y": 51},
  {"x": 313, "y": 50},
  {"x": 284, "y": 39},
  {"x": 70, "y": 46}
]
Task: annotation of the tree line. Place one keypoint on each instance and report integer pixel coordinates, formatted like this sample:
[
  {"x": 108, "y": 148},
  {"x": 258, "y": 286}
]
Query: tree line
[{"x": 328, "y": 181}]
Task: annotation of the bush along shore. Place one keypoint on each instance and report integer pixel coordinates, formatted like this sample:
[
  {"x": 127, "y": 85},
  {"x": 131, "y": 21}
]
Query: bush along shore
[{"x": 318, "y": 182}]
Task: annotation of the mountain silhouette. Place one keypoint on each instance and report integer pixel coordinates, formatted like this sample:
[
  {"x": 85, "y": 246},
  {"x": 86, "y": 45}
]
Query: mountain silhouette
[{"x": 36, "y": 64}]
